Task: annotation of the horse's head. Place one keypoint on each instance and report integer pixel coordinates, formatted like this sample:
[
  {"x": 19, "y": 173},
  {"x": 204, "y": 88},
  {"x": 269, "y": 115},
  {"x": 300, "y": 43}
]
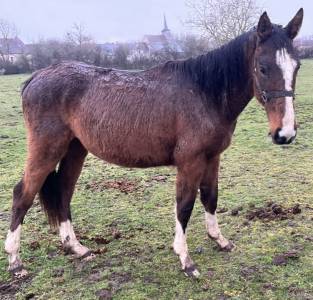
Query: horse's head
[{"x": 275, "y": 69}]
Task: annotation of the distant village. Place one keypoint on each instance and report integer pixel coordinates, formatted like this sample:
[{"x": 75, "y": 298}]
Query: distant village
[
  {"x": 151, "y": 49},
  {"x": 13, "y": 49}
]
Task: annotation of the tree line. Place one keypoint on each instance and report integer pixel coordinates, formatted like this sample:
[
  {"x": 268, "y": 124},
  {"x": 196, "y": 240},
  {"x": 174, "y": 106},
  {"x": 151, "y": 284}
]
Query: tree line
[
  {"x": 79, "y": 46},
  {"x": 215, "y": 22}
]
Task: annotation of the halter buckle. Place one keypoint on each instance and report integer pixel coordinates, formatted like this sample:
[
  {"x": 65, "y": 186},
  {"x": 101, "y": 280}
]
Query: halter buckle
[
  {"x": 267, "y": 96},
  {"x": 264, "y": 96}
]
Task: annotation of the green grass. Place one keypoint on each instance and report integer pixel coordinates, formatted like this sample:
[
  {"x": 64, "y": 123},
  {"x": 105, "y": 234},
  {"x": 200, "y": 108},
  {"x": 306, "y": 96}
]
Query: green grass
[{"x": 140, "y": 264}]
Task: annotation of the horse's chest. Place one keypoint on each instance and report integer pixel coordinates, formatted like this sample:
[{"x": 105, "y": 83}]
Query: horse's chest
[{"x": 219, "y": 140}]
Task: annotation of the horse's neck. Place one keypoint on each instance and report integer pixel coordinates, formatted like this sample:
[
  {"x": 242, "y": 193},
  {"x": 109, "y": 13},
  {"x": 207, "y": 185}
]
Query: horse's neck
[
  {"x": 241, "y": 92},
  {"x": 238, "y": 101}
]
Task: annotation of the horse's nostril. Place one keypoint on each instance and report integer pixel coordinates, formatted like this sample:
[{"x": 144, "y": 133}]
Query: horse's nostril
[{"x": 280, "y": 140}]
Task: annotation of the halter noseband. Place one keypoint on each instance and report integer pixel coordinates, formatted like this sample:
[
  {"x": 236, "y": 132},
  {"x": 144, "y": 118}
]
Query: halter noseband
[
  {"x": 267, "y": 96},
  {"x": 270, "y": 95}
]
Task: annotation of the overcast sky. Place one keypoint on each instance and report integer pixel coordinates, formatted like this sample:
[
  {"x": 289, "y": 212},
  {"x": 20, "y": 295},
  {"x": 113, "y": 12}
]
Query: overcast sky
[{"x": 122, "y": 20}]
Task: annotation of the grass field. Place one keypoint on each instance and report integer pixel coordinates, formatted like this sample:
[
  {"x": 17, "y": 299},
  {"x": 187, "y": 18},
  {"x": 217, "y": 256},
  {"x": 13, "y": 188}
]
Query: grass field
[{"x": 126, "y": 217}]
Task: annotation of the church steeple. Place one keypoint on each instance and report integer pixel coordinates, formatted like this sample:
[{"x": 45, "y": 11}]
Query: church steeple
[{"x": 165, "y": 29}]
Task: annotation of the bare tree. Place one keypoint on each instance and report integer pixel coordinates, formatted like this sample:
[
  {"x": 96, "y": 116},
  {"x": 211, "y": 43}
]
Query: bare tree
[
  {"x": 7, "y": 32},
  {"x": 193, "y": 45},
  {"x": 81, "y": 42},
  {"x": 78, "y": 35},
  {"x": 120, "y": 56},
  {"x": 222, "y": 20}
]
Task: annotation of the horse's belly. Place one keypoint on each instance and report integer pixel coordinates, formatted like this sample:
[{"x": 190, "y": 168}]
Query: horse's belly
[
  {"x": 132, "y": 159},
  {"x": 131, "y": 152}
]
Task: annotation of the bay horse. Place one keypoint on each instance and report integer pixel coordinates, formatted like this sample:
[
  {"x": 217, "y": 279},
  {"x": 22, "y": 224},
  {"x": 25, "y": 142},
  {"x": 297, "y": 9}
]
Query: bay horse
[{"x": 181, "y": 113}]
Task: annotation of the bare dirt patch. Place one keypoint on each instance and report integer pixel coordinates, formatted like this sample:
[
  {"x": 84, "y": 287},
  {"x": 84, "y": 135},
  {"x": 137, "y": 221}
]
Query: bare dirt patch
[
  {"x": 116, "y": 282},
  {"x": 123, "y": 185},
  {"x": 98, "y": 239},
  {"x": 160, "y": 178},
  {"x": 273, "y": 211},
  {"x": 34, "y": 245},
  {"x": 283, "y": 258},
  {"x": 10, "y": 288},
  {"x": 104, "y": 294}
]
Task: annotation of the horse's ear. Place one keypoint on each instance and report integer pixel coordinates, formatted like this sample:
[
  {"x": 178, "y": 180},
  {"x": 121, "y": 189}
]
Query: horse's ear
[
  {"x": 294, "y": 25},
  {"x": 265, "y": 27}
]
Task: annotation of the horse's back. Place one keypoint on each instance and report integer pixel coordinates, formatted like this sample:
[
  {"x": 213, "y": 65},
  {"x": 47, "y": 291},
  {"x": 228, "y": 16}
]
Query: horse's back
[
  {"x": 133, "y": 119},
  {"x": 127, "y": 119}
]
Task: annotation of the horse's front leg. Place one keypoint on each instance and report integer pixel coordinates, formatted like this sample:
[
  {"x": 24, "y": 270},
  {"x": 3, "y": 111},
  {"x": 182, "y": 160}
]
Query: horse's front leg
[
  {"x": 187, "y": 184},
  {"x": 209, "y": 196}
]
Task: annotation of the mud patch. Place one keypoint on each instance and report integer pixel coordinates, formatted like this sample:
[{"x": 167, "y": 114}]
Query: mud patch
[
  {"x": 10, "y": 288},
  {"x": 273, "y": 211},
  {"x": 116, "y": 283},
  {"x": 235, "y": 211},
  {"x": 95, "y": 277},
  {"x": 57, "y": 272},
  {"x": 249, "y": 272},
  {"x": 100, "y": 250},
  {"x": 34, "y": 245},
  {"x": 222, "y": 210},
  {"x": 123, "y": 185},
  {"x": 116, "y": 234},
  {"x": 284, "y": 258},
  {"x": 104, "y": 294},
  {"x": 98, "y": 239},
  {"x": 119, "y": 279},
  {"x": 299, "y": 293},
  {"x": 160, "y": 178}
]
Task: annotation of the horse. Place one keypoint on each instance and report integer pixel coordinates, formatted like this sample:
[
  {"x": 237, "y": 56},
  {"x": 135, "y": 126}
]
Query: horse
[{"x": 180, "y": 113}]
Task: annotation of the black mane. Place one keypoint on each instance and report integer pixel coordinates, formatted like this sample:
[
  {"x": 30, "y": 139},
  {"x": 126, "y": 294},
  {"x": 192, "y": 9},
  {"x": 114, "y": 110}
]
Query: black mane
[
  {"x": 223, "y": 72},
  {"x": 218, "y": 71}
]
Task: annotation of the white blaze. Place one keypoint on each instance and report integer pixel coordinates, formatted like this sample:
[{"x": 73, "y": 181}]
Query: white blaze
[{"x": 287, "y": 65}]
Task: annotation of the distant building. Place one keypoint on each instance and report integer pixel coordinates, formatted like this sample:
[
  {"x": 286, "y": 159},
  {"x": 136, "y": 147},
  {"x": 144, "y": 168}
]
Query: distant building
[
  {"x": 148, "y": 46},
  {"x": 11, "y": 49},
  {"x": 162, "y": 42}
]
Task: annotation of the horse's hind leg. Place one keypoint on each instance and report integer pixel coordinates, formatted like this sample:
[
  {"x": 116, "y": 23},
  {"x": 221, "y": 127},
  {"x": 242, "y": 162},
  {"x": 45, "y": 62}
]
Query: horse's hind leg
[
  {"x": 208, "y": 195},
  {"x": 42, "y": 159},
  {"x": 67, "y": 176}
]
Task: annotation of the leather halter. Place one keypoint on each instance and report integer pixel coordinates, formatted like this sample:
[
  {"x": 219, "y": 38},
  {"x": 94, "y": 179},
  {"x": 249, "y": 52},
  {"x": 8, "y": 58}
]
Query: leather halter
[
  {"x": 267, "y": 96},
  {"x": 270, "y": 95}
]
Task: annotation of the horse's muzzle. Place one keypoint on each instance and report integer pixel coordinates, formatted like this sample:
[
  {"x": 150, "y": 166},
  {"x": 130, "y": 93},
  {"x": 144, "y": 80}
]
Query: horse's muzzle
[{"x": 282, "y": 139}]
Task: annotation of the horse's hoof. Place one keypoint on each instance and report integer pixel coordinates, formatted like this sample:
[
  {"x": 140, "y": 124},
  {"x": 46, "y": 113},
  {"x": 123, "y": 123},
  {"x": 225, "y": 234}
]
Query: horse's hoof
[
  {"x": 88, "y": 256},
  {"x": 21, "y": 274},
  {"x": 18, "y": 272},
  {"x": 191, "y": 272},
  {"x": 229, "y": 247}
]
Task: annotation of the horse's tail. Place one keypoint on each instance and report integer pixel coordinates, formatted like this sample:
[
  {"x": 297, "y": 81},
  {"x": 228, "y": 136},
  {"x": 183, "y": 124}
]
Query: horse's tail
[
  {"x": 50, "y": 197},
  {"x": 57, "y": 190}
]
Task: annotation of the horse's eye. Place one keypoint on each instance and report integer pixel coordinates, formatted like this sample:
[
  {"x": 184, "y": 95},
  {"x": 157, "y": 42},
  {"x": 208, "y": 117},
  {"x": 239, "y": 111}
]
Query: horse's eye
[{"x": 263, "y": 70}]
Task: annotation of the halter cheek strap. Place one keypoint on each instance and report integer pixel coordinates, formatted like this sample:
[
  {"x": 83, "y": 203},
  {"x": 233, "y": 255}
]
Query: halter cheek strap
[{"x": 270, "y": 95}]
